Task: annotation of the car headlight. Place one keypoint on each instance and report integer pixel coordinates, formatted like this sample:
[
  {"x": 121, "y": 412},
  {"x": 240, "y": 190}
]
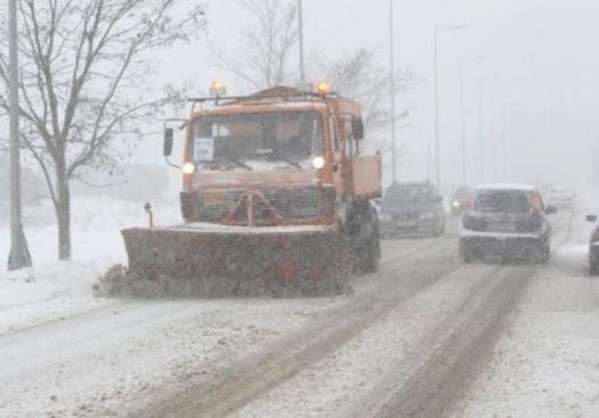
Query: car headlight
[
  {"x": 385, "y": 217},
  {"x": 426, "y": 215},
  {"x": 456, "y": 204}
]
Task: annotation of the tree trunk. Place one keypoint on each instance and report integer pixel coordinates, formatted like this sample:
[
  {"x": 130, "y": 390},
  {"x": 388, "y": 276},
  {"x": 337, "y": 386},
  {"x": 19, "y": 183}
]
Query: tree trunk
[{"x": 63, "y": 213}]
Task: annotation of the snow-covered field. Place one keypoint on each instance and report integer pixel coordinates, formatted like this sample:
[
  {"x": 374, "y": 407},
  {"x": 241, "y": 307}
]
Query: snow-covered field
[{"x": 52, "y": 290}]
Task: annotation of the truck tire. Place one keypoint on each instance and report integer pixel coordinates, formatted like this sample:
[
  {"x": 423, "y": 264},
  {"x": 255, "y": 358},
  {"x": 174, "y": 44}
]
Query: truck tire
[
  {"x": 365, "y": 240},
  {"x": 372, "y": 256}
]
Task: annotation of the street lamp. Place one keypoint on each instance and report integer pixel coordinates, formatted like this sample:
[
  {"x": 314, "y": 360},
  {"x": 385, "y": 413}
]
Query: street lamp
[
  {"x": 300, "y": 15},
  {"x": 19, "y": 256},
  {"x": 436, "y": 33},
  {"x": 392, "y": 93},
  {"x": 463, "y": 117}
]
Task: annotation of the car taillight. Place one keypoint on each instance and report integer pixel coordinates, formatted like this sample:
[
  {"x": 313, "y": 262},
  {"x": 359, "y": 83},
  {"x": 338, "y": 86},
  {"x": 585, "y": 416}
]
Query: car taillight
[
  {"x": 533, "y": 203},
  {"x": 469, "y": 203}
]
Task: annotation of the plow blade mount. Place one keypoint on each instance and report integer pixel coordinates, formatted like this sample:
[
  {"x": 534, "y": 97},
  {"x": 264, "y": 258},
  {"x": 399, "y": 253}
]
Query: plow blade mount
[{"x": 219, "y": 261}]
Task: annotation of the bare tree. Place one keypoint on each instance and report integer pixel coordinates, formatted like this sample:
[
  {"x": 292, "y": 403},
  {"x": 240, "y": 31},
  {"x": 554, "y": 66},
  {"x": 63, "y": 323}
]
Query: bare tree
[
  {"x": 263, "y": 55},
  {"x": 357, "y": 75},
  {"x": 83, "y": 82}
]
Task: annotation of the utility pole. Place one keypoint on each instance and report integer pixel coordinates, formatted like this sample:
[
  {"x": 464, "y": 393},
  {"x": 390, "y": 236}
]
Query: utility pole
[
  {"x": 301, "y": 40},
  {"x": 462, "y": 122},
  {"x": 481, "y": 133},
  {"x": 436, "y": 33},
  {"x": 392, "y": 93},
  {"x": 463, "y": 61},
  {"x": 19, "y": 254}
]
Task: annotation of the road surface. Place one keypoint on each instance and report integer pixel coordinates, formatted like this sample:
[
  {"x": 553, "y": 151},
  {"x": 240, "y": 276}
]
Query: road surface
[{"x": 420, "y": 338}]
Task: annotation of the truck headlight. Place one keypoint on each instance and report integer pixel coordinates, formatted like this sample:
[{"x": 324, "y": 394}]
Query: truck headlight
[
  {"x": 189, "y": 168},
  {"x": 318, "y": 162}
]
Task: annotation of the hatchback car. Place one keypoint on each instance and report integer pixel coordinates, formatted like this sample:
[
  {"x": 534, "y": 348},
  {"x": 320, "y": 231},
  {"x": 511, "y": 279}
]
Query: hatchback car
[
  {"x": 594, "y": 247},
  {"x": 412, "y": 208},
  {"x": 508, "y": 221}
]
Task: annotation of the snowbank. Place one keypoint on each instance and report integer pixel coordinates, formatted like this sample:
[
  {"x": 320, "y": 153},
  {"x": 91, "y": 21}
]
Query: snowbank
[{"x": 53, "y": 289}]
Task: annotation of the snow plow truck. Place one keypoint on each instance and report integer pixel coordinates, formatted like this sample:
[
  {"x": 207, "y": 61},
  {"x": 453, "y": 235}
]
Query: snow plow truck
[{"x": 276, "y": 202}]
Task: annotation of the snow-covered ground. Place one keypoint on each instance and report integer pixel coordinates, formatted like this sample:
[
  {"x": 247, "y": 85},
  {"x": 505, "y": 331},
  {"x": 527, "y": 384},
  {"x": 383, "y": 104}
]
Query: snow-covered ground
[
  {"x": 546, "y": 364},
  {"x": 94, "y": 355},
  {"x": 52, "y": 290}
]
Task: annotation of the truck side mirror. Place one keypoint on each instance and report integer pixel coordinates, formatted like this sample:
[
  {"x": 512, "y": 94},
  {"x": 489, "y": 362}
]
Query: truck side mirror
[
  {"x": 168, "y": 142},
  {"x": 357, "y": 127}
]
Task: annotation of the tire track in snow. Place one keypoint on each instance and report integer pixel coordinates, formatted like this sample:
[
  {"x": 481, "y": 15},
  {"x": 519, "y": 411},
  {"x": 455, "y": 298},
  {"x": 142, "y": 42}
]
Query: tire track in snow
[{"x": 256, "y": 375}]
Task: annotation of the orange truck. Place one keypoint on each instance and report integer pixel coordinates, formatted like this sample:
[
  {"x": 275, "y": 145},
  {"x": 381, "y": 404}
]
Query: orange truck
[{"x": 276, "y": 201}]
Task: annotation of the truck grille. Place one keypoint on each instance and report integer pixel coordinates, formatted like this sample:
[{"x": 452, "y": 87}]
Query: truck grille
[{"x": 290, "y": 203}]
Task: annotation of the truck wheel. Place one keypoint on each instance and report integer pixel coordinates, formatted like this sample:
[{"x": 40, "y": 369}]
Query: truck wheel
[{"x": 372, "y": 256}]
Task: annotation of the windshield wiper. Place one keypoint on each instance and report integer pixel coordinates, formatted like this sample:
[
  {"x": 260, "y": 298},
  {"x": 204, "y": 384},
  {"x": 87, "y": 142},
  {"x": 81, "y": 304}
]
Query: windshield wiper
[
  {"x": 291, "y": 162},
  {"x": 239, "y": 163},
  {"x": 276, "y": 156}
]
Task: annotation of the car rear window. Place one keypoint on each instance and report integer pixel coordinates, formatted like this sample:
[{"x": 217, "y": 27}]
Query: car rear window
[
  {"x": 402, "y": 194},
  {"x": 502, "y": 201}
]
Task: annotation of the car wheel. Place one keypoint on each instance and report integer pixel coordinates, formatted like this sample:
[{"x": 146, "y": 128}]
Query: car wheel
[
  {"x": 545, "y": 253},
  {"x": 465, "y": 254},
  {"x": 442, "y": 228}
]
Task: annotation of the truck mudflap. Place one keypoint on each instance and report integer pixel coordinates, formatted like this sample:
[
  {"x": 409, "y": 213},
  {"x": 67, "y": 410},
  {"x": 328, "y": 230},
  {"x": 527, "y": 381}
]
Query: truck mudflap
[{"x": 206, "y": 260}]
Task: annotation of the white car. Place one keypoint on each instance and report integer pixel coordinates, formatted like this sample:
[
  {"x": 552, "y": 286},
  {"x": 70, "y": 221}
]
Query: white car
[{"x": 560, "y": 197}]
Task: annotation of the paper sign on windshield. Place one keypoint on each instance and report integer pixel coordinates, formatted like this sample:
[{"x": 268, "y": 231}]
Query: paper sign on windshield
[{"x": 203, "y": 149}]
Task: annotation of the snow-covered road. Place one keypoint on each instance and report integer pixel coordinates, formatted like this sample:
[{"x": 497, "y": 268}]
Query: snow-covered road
[
  {"x": 546, "y": 363},
  {"x": 413, "y": 339}
]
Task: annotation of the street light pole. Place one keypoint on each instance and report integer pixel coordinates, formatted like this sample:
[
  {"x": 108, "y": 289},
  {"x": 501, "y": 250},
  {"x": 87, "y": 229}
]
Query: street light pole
[
  {"x": 392, "y": 93},
  {"x": 436, "y": 33},
  {"x": 481, "y": 133},
  {"x": 462, "y": 122},
  {"x": 463, "y": 116},
  {"x": 301, "y": 40},
  {"x": 436, "y": 87},
  {"x": 19, "y": 254}
]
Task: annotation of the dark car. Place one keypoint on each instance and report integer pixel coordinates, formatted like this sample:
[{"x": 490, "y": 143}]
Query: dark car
[
  {"x": 508, "y": 221},
  {"x": 412, "y": 208},
  {"x": 594, "y": 247},
  {"x": 459, "y": 199}
]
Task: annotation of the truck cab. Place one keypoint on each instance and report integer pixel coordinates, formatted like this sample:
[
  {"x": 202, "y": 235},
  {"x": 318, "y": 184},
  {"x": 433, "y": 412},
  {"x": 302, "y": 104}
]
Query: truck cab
[{"x": 277, "y": 157}]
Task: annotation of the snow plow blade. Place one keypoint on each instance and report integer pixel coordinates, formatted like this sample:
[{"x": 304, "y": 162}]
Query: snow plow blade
[{"x": 205, "y": 260}]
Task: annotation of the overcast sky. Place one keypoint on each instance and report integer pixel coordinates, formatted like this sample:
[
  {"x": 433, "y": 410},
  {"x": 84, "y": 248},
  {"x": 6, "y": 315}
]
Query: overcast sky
[
  {"x": 539, "y": 79},
  {"x": 538, "y": 74}
]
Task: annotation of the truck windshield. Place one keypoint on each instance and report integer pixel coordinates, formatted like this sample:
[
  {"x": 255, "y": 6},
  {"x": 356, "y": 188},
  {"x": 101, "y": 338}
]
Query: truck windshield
[{"x": 250, "y": 140}]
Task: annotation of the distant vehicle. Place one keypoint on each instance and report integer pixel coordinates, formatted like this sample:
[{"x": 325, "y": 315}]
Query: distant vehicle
[
  {"x": 459, "y": 199},
  {"x": 412, "y": 208},
  {"x": 506, "y": 220},
  {"x": 594, "y": 247},
  {"x": 560, "y": 197}
]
